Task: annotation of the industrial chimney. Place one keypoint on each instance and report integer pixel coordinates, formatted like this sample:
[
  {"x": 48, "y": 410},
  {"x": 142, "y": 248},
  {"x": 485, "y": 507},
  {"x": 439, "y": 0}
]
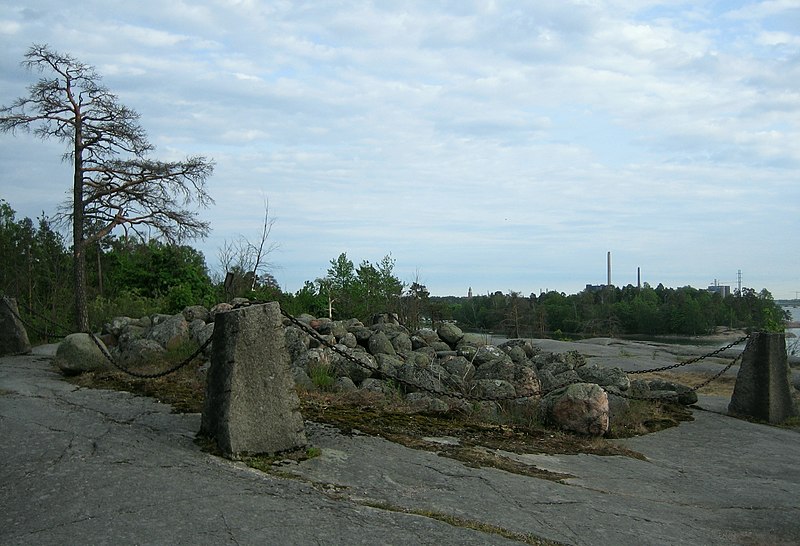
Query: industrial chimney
[{"x": 609, "y": 269}]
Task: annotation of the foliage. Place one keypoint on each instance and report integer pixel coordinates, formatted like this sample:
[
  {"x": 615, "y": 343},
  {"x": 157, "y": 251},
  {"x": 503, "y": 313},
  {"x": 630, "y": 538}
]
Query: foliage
[
  {"x": 615, "y": 311},
  {"x": 35, "y": 271},
  {"x": 176, "y": 273},
  {"x": 361, "y": 292}
]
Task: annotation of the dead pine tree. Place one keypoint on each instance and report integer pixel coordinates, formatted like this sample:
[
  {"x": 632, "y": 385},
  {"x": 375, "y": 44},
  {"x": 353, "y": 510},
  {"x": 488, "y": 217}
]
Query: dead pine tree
[{"x": 114, "y": 183}]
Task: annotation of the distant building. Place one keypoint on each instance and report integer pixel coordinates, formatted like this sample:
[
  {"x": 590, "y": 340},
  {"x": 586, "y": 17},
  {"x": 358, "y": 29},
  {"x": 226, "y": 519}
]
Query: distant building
[
  {"x": 721, "y": 289},
  {"x": 595, "y": 287},
  {"x": 469, "y": 294}
]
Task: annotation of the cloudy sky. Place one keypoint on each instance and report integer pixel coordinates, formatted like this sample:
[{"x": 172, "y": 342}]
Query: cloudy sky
[{"x": 498, "y": 145}]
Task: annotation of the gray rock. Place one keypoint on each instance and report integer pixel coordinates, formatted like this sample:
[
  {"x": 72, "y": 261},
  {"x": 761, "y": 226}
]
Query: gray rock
[
  {"x": 344, "y": 384},
  {"x": 493, "y": 389},
  {"x": 141, "y": 351},
  {"x": 424, "y": 403},
  {"x": 561, "y": 380},
  {"x": 362, "y": 334},
  {"x": 669, "y": 390},
  {"x": 171, "y": 332},
  {"x": 379, "y": 344},
  {"x": 388, "y": 364},
  {"x": 496, "y": 369},
  {"x": 297, "y": 342},
  {"x": 415, "y": 379},
  {"x": 489, "y": 353},
  {"x": 344, "y": 367},
  {"x": 158, "y": 318},
  {"x": 196, "y": 312},
  {"x": 301, "y": 379},
  {"x": 339, "y": 329},
  {"x": 217, "y": 309},
  {"x": 605, "y": 377},
  {"x": 349, "y": 340},
  {"x": 428, "y": 335},
  {"x": 13, "y": 336},
  {"x": 581, "y": 408},
  {"x": 117, "y": 325},
  {"x": 130, "y": 333},
  {"x": 401, "y": 342},
  {"x": 372, "y": 384},
  {"x": 78, "y": 353},
  {"x": 459, "y": 367},
  {"x": 449, "y": 333},
  {"x": 526, "y": 346}
]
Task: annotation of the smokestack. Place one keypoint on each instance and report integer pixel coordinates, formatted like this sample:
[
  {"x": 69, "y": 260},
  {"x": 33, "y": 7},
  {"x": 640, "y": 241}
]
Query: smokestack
[
  {"x": 609, "y": 269},
  {"x": 639, "y": 278}
]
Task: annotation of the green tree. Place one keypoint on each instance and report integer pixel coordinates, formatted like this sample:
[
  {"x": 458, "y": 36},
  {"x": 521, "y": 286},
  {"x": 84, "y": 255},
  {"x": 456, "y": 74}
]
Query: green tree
[{"x": 114, "y": 184}]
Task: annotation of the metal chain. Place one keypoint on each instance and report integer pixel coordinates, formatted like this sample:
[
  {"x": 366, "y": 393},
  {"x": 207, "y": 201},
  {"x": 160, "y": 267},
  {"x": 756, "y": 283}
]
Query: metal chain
[
  {"x": 30, "y": 325},
  {"x": 108, "y": 356},
  {"x": 693, "y": 360},
  {"x": 316, "y": 335},
  {"x": 156, "y": 375},
  {"x": 678, "y": 394}
]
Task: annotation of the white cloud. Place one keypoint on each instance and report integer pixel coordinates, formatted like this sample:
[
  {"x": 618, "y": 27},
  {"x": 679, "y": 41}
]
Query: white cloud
[{"x": 538, "y": 135}]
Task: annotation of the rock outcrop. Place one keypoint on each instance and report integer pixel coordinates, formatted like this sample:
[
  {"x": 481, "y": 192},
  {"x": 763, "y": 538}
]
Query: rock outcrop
[{"x": 432, "y": 369}]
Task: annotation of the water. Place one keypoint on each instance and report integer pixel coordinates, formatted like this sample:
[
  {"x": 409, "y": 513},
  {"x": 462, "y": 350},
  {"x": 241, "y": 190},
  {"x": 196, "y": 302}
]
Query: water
[{"x": 793, "y": 334}]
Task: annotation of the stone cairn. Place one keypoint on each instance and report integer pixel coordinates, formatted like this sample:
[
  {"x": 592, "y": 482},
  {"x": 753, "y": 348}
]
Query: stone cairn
[{"x": 417, "y": 365}]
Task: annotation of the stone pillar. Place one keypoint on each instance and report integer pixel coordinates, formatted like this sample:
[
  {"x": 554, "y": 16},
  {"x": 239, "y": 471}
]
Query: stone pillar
[
  {"x": 251, "y": 405},
  {"x": 763, "y": 387},
  {"x": 13, "y": 336}
]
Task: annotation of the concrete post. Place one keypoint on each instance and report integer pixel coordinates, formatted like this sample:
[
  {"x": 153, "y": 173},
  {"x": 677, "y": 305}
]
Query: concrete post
[
  {"x": 763, "y": 386},
  {"x": 13, "y": 336},
  {"x": 251, "y": 404}
]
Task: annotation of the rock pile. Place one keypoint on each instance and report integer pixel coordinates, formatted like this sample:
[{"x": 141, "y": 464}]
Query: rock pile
[{"x": 425, "y": 366}]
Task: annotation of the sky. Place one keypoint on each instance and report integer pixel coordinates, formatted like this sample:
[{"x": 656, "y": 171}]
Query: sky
[{"x": 487, "y": 144}]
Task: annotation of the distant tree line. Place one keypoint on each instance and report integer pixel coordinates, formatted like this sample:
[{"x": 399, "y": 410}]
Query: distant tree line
[
  {"x": 133, "y": 276},
  {"x": 617, "y": 311}
]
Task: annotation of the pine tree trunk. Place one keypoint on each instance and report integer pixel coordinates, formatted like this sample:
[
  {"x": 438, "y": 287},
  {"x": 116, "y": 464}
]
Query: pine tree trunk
[{"x": 78, "y": 242}]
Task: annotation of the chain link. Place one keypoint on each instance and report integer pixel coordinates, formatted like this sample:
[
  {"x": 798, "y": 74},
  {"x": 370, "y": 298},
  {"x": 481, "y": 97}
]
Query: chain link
[
  {"x": 155, "y": 375},
  {"x": 30, "y": 325},
  {"x": 394, "y": 377},
  {"x": 108, "y": 356},
  {"x": 692, "y": 360}
]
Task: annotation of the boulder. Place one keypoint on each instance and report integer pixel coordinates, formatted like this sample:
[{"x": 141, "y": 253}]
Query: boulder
[
  {"x": 196, "y": 312},
  {"x": 459, "y": 367},
  {"x": 349, "y": 340},
  {"x": 449, "y": 333},
  {"x": 401, "y": 342},
  {"x": 140, "y": 351},
  {"x": 493, "y": 389},
  {"x": 415, "y": 379},
  {"x": 78, "y": 353},
  {"x": 297, "y": 342},
  {"x": 13, "y": 336},
  {"x": 170, "y": 333},
  {"x": 344, "y": 384},
  {"x": 669, "y": 390},
  {"x": 526, "y": 346},
  {"x": 217, "y": 309},
  {"x": 605, "y": 377},
  {"x": 344, "y": 367},
  {"x": 580, "y": 407},
  {"x": 489, "y": 353},
  {"x": 379, "y": 344},
  {"x": 496, "y": 369},
  {"x": 117, "y": 324},
  {"x": 424, "y": 403}
]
